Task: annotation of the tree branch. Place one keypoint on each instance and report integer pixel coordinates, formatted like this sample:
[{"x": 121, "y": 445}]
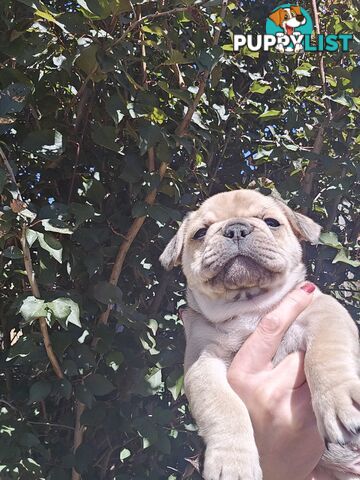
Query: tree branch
[
  {"x": 9, "y": 170},
  {"x": 36, "y": 292},
  {"x": 308, "y": 180},
  {"x": 129, "y": 238},
  {"x": 78, "y": 434},
  {"x": 51, "y": 425},
  {"x": 32, "y": 280},
  {"x": 184, "y": 125},
  {"x": 145, "y": 18}
]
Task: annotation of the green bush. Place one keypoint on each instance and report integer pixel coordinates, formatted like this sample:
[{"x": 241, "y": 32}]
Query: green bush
[{"x": 116, "y": 118}]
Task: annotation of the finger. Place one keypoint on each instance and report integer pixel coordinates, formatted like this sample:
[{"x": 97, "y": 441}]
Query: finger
[
  {"x": 259, "y": 349},
  {"x": 289, "y": 374}
]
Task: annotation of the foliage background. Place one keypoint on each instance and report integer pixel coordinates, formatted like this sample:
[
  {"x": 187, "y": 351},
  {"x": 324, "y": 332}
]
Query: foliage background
[{"x": 116, "y": 118}]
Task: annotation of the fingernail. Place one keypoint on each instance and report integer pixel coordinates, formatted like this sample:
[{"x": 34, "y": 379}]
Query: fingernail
[
  {"x": 308, "y": 287},
  {"x": 180, "y": 311}
]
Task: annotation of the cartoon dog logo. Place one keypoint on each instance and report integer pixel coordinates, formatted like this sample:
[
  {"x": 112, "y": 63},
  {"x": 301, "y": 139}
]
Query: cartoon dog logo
[{"x": 289, "y": 19}]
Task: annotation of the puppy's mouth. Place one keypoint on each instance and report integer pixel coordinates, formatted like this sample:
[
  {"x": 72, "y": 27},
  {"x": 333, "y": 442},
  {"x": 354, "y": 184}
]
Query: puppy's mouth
[
  {"x": 242, "y": 272},
  {"x": 289, "y": 30}
]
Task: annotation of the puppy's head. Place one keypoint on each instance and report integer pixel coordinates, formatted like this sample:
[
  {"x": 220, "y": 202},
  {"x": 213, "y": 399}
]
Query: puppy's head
[
  {"x": 239, "y": 240},
  {"x": 288, "y": 18}
]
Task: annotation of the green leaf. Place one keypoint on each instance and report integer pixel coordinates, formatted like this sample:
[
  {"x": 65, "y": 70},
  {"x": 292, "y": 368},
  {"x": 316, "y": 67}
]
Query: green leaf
[
  {"x": 304, "y": 70},
  {"x": 107, "y": 293},
  {"x": 64, "y": 388},
  {"x": 66, "y": 310},
  {"x": 270, "y": 114},
  {"x": 178, "y": 57},
  {"x": 84, "y": 395},
  {"x": 177, "y": 93},
  {"x": 45, "y": 143},
  {"x": 98, "y": 384},
  {"x": 32, "y": 308},
  {"x": 81, "y": 212},
  {"x": 94, "y": 189},
  {"x": 124, "y": 454},
  {"x": 355, "y": 77},
  {"x": 114, "y": 360},
  {"x": 31, "y": 236},
  {"x": 115, "y": 107},
  {"x": 330, "y": 239},
  {"x": 342, "y": 257},
  {"x": 342, "y": 99},
  {"x": 51, "y": 245},
  {"x": 54, "y": 226},
  {"x": 3, "y": 179},
  {"x": 153, "y": 29},
  {"x": 106, "y": 136},
  {"x": 174, "y": 383},
  {"x": 29, "y": 440},
  {"x": 38, "y": 391},
  {"x": 13, "y": 252},
  {"x": 87, "y": 60},
  {"x": 258, "y": 87},
  {"x": 12, "y": 98}
]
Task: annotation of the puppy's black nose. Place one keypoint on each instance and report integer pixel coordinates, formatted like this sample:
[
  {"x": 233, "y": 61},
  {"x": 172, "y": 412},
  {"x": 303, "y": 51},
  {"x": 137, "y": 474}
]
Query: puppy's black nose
[
  {"x": 237, "y": 231},
  {"x": 300, "y": 18}
]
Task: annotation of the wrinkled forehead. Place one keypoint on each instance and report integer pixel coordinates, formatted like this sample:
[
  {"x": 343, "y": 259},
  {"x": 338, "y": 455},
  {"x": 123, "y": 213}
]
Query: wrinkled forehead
[{"x": 238, "y": 204}]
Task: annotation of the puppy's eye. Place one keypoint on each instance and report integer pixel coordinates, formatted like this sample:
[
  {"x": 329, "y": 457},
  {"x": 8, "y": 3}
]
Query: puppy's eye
[
  {"x": 200, "y": 233},
  {"x": 272, "y": 222}
]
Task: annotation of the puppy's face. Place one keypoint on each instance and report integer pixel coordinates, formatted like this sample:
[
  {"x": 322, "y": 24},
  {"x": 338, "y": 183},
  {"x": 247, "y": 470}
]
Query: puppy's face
[
  {"x": 239, "y": 240},
  {"x": 288, "y": 18}
]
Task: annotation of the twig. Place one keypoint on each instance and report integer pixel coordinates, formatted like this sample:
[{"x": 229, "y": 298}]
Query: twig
[
  {"x": 160, "y": 293},
  {"x": 55, "y": 425},
  {"x": 143, "y": 48},
  {"x": 218, "y": 165},
  {"x": 77, "y": 157},
  {"x": 321, "y": 57},
  {"x": 145, "y": 18},
  {"x": 78, "y": 434},
  {"x": 184, "y": 125},
  {"x": 32, "y": 280},
  {"x": 9, "y": 170},
  {"x": 308, "y": 180},
  {"x": 36, "y": 292},
  {"x": 130, "y": 237}
]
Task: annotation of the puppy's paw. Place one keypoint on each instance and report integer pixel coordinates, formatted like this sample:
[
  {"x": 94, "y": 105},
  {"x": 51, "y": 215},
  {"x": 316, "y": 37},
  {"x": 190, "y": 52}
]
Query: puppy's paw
[
  {"x": 338, "y": 412},
  {"x": 231, "y": 462}
]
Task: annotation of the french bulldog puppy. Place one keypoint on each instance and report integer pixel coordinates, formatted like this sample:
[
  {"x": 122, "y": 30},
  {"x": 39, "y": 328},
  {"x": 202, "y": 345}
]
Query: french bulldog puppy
[{"x": 241, "y": 254}]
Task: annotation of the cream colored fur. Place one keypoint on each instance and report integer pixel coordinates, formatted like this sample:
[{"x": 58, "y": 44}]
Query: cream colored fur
[{"x": 233, "y": 281}]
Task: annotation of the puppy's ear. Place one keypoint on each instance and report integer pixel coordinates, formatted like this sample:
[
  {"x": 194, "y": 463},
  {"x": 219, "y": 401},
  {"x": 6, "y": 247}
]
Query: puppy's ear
[
  {"x": 303, "y": 227},
  {"x": 277, "y": 17},
  {"x": 171, "y": 256},
  {"x": 296, "y": 9}
]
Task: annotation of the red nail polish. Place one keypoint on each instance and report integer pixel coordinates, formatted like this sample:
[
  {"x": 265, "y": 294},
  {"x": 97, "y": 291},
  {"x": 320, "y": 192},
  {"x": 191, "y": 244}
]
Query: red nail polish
[{"x": 308, "y": 287}]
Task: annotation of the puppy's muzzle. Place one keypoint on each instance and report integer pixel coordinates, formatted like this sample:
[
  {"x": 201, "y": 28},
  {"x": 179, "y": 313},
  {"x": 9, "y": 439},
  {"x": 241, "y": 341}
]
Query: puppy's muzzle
[
  {"x": 237, "y": 230},
  {"x": 300, "y": 18}
]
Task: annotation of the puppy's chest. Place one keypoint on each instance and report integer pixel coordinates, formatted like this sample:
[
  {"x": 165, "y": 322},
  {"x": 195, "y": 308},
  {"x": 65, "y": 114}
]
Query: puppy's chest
[{"x": 232, "y": 334}]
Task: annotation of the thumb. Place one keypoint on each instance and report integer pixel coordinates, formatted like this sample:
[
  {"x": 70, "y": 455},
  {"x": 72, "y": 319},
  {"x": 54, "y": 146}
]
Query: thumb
[{"x": 259, "y": 349}]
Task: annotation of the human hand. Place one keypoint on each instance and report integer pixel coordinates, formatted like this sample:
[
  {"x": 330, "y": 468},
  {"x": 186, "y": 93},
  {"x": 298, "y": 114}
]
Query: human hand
[{"x": 278, "y": 398}]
